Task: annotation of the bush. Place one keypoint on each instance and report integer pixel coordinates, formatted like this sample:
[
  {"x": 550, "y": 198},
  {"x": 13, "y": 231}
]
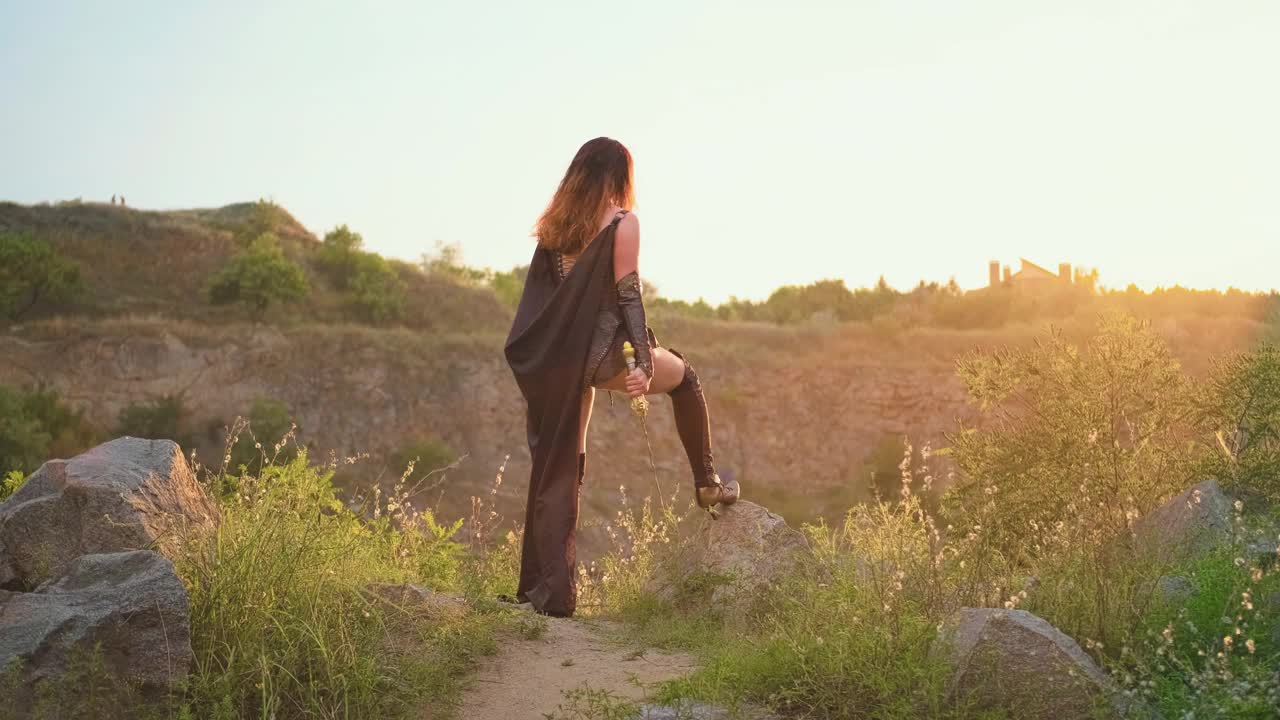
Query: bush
[
  {"x": 263, "y": 437},
  {"x": 425, "y": 455},
  {"x": 446, "y": 262},
  {"x": 286, "y": 620},
  {"x": 10, "y": 483},
  {"x": 376, "y": 293},
  {"x": 32, "y": 272},
  {"x": 338, "y": 254},
  {"x": 849, "y": 634},
  {"x": 1087, "y": 436},
  {"x": 372, "y": 290},
  {"x": 165, "y": 417},
  {"x": 35, "y": 426},
  {"x": 1241, "y": 417},
  {"x": 509, "y": 285},
  {"x": 258, "y": 276}
]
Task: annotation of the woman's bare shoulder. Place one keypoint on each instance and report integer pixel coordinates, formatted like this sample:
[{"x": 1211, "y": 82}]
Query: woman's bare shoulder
[{"x": 629, "y": 225}]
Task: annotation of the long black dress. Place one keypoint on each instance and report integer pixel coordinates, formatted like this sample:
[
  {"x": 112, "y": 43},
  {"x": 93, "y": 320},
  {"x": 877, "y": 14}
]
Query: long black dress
[{"x": 547, "y": 350}]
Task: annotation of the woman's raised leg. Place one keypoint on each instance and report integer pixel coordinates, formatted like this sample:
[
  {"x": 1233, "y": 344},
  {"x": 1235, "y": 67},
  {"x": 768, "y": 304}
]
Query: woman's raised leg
[{"x": 675, "y": 377}]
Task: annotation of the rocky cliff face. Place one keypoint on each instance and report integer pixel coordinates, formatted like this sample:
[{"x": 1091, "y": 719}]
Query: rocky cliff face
[{"x": 803, "y": 419}]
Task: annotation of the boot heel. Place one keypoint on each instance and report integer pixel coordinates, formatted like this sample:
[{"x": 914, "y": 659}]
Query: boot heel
[{"x": 718, "y": 493}]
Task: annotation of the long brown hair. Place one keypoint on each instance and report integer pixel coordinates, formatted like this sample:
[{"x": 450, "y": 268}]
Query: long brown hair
[{"x": 599, "y": 175}]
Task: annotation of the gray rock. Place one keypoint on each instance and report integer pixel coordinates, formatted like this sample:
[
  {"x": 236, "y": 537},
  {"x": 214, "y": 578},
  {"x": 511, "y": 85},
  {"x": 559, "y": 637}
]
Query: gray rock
[
  {"x": 701, "y": 711},
  {"x": 126, "y": 494},
  {"x": 8, "y": 575},
  {"x": 1174, "y": 589},
  {"x": 729, "y": 559},
  {"x": 410, "y": 598},
  {"x": 1265, "y": 553},
  {"x": 132, "y": 605},
  {"x": 1193, "y": 523},
  {"x": 1013, "y": 661}
]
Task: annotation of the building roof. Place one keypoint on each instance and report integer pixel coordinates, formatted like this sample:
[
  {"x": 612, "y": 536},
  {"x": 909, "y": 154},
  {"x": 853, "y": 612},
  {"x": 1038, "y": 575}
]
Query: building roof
[{"x": 1032, "y": 271}]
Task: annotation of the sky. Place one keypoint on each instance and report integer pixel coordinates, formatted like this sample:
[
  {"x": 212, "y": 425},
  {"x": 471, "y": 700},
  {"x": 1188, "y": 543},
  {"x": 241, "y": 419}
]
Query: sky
[{"x": 775, "y": 143}]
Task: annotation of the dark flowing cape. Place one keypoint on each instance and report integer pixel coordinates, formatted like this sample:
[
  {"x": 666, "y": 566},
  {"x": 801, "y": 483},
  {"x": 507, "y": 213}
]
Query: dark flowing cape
[{"x": 547, "y": 350}]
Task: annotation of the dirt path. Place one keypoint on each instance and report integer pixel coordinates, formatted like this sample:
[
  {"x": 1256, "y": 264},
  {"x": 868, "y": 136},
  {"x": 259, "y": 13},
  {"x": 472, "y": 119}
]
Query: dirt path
[{"x": 526, "y": 678}]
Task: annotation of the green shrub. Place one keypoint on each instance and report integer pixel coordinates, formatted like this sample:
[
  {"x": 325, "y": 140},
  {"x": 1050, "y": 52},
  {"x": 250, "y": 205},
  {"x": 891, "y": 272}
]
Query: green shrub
[
  {"x": 375, "y": 294},
  {"x": 1089, "y": 436},
  {"x": 425, "y": 455},
  {"x": 10, "y": 483},
  {"x": 258, "y": 276},
  {"x": 32, "y": 272},
  {"x": 446, "y": 262},
  {"x": 263, "y": 437},
  {"x": 1214, "y": 655},
  {"x": 372, "y": 289},
  {"x": 339, "y": 252},
  {"x": 24, "y": 442},
  {"x": 509, "y": 285},
  {"x": 1241, "y": 416},
  {"x": 166, "y": 417},
  {"x": 285, "y": 614},
  {"x": 36, "y": 426}
]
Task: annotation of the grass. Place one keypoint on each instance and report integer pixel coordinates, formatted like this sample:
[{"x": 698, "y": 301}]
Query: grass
[
  {"x": 289, "y": 614},
  {"x": 854, "y": 632}
]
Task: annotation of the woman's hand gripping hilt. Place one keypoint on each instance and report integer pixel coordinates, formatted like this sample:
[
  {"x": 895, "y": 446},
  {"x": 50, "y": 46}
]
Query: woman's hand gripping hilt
[{"x": 640, "y": 404}]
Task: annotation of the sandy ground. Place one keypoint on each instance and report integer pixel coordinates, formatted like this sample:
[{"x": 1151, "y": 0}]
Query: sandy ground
[{"x": 525, "y": 679}]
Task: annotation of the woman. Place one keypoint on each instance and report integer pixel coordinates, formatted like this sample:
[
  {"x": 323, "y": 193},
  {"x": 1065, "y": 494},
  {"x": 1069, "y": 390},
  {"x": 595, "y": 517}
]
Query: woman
[{"x": 581, "y": 302}]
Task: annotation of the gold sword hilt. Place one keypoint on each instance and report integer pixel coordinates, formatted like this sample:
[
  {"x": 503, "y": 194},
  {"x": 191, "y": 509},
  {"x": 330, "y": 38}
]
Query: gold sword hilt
[{"x": 639, "y": 405}]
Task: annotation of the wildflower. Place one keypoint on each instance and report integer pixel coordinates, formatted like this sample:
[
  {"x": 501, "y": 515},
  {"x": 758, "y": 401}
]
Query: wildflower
[{"x": 1250, "y": 646}]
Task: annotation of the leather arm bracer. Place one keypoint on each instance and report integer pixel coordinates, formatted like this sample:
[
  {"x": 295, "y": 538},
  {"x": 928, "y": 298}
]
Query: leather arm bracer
[{"x": 632, "y": 307}]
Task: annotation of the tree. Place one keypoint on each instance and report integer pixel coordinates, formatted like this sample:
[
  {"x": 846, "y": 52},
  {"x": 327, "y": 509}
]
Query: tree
[
  {"x": 375, "y": 293},
  {"x": 446, "y": 262},
  {"x": 1090, "y": 436},
  {"x": 339, "y": 254},
  {"x": 372, "y": 289},
  {"x": 31, "y": 271},
  {"x": 258, "y": 276},
  {"x": 1241, "y": 417}
]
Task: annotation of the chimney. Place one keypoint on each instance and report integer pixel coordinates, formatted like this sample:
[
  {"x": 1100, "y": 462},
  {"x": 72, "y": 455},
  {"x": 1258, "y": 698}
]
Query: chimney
[
  {"x": 1064, "y": 272},
  {"x": 1008, "y": 274},
  {"x": 993, "y": 273}
]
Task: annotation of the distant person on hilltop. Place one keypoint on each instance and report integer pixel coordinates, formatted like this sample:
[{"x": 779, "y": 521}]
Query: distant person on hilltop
[
  {"x": 581, "y": 302},
  {"x": 113, "y": 199}
]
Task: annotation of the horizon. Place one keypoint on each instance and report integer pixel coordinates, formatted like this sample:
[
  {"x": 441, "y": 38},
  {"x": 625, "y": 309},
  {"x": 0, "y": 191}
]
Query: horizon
[{"x": 778, "y": 146}]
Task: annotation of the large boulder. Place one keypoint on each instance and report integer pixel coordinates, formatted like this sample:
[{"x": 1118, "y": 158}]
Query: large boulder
[
  {"x": 131, "y": 606},
  {"x": 126, "y": 494},
  {"x": 1193, "y": 523},
  {"x": 1013, "y": 661},
  {"x": 730, "y": 558}
]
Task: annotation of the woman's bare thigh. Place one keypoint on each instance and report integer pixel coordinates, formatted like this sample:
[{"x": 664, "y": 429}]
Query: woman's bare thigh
[{"x": 668, "y": 372}]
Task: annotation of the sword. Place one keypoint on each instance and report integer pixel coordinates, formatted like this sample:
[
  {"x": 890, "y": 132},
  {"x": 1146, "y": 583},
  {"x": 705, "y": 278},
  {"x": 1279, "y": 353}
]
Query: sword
[{"x": 640, "y": 407}]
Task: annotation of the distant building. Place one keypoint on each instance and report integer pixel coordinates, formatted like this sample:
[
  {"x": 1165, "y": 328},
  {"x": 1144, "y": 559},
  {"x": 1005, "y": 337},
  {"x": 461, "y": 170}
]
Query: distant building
[{"x": 1029, "y": 276}]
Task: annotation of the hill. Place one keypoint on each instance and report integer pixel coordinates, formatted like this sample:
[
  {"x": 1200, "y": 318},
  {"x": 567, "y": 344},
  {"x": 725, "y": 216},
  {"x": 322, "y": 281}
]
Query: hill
[{"x": 801, "y": 413}]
